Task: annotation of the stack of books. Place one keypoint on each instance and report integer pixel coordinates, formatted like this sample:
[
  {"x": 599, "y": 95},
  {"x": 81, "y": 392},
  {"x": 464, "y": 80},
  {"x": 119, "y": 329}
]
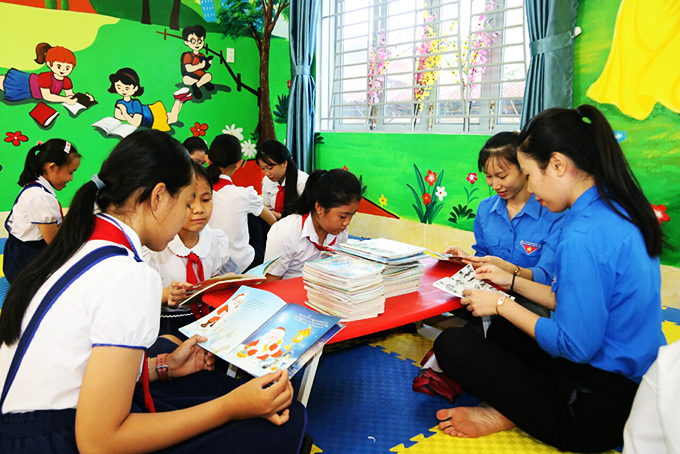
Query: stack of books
[
  {"x": 402, "y": 268},
  {"x": 345, "y": 287}
]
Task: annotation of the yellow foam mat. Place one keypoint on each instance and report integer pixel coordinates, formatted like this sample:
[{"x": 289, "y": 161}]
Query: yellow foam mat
[{"x": 507, "y": 442}]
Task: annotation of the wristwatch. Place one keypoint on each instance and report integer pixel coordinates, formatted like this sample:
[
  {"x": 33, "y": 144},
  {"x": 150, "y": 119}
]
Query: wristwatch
[
  {"x": 517, "y": 271},
  {"x": 162, "y": 367}
]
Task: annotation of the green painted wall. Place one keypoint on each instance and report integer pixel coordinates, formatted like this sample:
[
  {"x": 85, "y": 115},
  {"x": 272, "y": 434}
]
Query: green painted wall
[{"x": 386, "y": 160}]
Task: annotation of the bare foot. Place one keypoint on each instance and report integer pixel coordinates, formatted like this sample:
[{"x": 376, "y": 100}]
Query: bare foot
[{"x": 472, "y": 422}]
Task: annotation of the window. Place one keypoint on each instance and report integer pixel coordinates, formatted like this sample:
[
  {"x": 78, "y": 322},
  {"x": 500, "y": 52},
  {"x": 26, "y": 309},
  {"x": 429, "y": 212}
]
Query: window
[{"x": 414, "y": 65}]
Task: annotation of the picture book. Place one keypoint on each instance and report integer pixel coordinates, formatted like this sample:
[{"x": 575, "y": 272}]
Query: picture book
[
  {"x": 259, "y": 333},
  {"x": 226, "y": 281},
  {"x": 383, "y": 250},
  {"x": 43, "y": 114},
  {"x": 114, "y": 127},
  {"x": 446, "y": 257},
  {"x": 85, "y": 101},
  {"x": 464, "y": 279}
]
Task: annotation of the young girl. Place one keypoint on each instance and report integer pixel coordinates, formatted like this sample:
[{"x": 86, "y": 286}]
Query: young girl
[
  {"x": 512, "y": 230},
  {"x": 19, "y": 85},
  {"x": 69, "y": 375},
  {"x": 318, "y": 219},
  {"x": 568, "y": 380},
  {"x": 233, "y": 203},
  {"x": 197, "y": 149},
  {"x": 196, "y": 253},
  {"x": 280, "y": 171},
  {"x": 36, "y": 214},
  {"x": 125, "y": 82}
]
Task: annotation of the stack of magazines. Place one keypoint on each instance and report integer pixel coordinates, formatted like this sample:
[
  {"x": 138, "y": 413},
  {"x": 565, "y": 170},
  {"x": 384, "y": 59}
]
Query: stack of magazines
[
  {"x": 345, "y": 287},
  {"x": 403, "y": 270}
]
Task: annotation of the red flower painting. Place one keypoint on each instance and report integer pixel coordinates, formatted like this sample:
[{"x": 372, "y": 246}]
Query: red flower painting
[
  {"x": 431, "y": 178},
  {"x": 660, "y": 211},
  {"x": 472, "y": 177},
  {"x": 199, "y": 129},
  {"x": 427, "y": 198},
  {"x": 15, "y": 138}
]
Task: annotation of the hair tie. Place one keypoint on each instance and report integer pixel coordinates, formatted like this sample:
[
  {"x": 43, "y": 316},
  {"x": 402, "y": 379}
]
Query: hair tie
[
  {"x": 67, "y": 147},
  {"x": 100, "y": 184}
]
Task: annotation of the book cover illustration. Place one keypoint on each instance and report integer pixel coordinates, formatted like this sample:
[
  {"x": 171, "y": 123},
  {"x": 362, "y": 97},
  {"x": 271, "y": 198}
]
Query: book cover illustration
[
  {"x": 258, "y": 332},
  {"x": 43, "y": 114}
]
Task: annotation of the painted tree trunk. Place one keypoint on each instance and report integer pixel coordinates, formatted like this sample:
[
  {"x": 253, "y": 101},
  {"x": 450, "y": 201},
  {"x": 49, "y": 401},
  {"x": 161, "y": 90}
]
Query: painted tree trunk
[
  {"x": 146, "y": 12},
  {"x": 265, "y": 126},
  {"x": 174, "y": 15}
]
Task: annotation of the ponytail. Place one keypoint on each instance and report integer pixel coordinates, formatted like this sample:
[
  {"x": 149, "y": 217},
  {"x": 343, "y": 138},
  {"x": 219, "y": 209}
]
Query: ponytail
[
  {"x": 58, "y": 151},
  {"x": 273, "y": 152},
  {"x": 585, "y": 136},
  {"x": 225, "y": 150},
  {"x": 330, "y": 189},
  {"x": 133, "y": 169},
  {"x": 41, "y": 52}
]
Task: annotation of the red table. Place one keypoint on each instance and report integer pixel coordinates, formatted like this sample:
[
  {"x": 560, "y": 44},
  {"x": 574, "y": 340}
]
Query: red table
[{"x": 400, "y": 310}]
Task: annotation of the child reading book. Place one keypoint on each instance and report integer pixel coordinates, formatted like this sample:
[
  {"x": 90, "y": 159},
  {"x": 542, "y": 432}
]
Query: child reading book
[
  {"x": 196, "y": 253},
  {"x": 280, "y": 171}
]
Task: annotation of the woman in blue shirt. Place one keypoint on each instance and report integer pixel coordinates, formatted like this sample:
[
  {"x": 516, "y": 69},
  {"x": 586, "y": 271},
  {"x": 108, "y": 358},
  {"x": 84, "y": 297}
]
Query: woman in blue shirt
[{"x": 568, "y": 380}]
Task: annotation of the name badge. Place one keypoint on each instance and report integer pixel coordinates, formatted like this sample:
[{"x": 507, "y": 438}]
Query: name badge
[{"x": 530, "y": 248}]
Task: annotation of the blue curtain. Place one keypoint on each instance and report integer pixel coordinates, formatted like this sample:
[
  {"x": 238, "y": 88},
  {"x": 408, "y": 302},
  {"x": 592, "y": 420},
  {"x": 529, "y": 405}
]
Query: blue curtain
[
  {"x": 304, "y": 18},
  {"x": 550, "y": 77}
]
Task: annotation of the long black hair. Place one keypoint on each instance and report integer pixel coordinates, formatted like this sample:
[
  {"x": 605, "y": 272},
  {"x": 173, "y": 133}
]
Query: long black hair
[
  {"x": 273, "y": 152},
  {"x": 133, "y": 169},
  {"x": 57, "y": 151},
  {"x": 585, "y": 136},
  {"x": 332, "y": 188},
  {"x": 502, "y": 146},
  {"x": 225, "y": 150}
]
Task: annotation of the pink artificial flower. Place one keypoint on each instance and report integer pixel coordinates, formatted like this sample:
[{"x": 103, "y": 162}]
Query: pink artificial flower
[
  {"x": 427, "y": 198},
  {"x": 431, "y": 178},
  {"x": 659, "y": 210},
  {"x": 15, "y": 138},
  {"x": 472, "y": 177}
]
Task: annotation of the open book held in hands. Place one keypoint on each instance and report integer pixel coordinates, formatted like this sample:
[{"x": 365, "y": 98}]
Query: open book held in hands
[
  {"x": 465, "y": 279},
  {"x": 260, "y": 333},
  {"x": 84, "y": 102}
]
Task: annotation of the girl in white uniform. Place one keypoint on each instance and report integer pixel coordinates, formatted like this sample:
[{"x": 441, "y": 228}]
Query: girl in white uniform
[
  {"x": 280, "y": 171},
  {"x": 318, "y": 219},
  {"x": 196, "y": 253},
  {"x": 75, "y": 326},
  {"x": 36, "y": 214},
  {"x": 233, "y": 203}
]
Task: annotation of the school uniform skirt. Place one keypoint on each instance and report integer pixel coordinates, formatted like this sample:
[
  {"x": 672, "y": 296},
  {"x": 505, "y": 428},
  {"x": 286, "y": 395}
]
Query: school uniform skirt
[{"x": 19, "y": 254}]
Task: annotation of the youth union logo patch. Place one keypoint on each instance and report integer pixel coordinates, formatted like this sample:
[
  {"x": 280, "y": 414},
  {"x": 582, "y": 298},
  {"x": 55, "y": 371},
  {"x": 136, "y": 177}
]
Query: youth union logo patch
[{"x": 530, "y": 248}]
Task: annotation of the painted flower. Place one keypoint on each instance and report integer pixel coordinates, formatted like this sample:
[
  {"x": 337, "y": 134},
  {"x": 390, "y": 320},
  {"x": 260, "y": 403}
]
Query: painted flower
[
  {"x": 199, "y": 129},
  {"x": 661, "y": 215},
  {"x": 15, "y": 138},
  {"x": 431, "y": 178},
  {"x": 620, "y": 136},
  {"x": 441, "y": 193},
  {"x": 344, "y": 168},
  {"x": 472, "y": 177},
  {"x": 249, "y": 149},
  {"x": 234, "y": 131},
  {"x": 427, "y": 198},
  {"x": 382, "y": 200}
]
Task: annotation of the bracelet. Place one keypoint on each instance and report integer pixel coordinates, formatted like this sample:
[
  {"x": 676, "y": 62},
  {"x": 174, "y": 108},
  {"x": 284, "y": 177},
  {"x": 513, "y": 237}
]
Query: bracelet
[
  {"x": 162, "y": 367},
  {"x": 499, "y": 303},
  {"x": 512, "y": 284}
]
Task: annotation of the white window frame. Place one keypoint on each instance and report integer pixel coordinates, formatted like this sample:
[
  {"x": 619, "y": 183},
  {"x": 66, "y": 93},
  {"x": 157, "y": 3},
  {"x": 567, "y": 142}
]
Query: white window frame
[{"x": 329, "y": 71}]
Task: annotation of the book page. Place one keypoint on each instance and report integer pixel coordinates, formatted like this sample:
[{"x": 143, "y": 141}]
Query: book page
[{"x": 464, "y": 279}]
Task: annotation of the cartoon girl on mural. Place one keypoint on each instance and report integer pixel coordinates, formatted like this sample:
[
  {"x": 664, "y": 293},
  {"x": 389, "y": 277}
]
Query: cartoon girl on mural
[
  {"x": 18, "y": 85},
  {"x": 125, "y": 82}
]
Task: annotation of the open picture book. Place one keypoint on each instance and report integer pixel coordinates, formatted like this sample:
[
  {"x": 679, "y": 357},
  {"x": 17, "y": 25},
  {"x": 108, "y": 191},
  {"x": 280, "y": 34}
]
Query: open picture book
[{"x": 260, "y": 333}]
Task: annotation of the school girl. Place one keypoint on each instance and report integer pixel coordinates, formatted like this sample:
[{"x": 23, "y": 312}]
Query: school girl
[
  {"x": 512, "y": 230},
  {"x": 196, "y": 253},
  {"x": 280, "y": 172},
  {"x": 568, "y": 380},
  {"x": 197, "y": 149},
  {"x": 75, "y": 326},
  {"x": 319, "y": 218},
  {"x": 233, "y": 203},
  {"x": 36, "y": 214}
]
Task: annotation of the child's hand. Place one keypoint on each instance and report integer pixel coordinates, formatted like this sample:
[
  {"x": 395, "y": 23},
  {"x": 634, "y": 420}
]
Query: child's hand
[
  {"x": 177, "y": 292},
  {"x": 260, "y": 398},
  {"x": 71, "y": 100},
  {"x": 90, "y": 96},
  {"x": 480, "y": 302},
  {"x": 189, "y": 358},
  {"x": 494, "y": 274}
]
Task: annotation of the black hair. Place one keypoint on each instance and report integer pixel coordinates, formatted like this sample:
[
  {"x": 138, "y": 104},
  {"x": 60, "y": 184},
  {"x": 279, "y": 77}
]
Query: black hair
[
  {"x": 195, "y": 144},
  {"x": 133, "y": 169},
  {"x": 502, "y": 146},
  {"x": 585, "y": 136},
  {"x": 332, "y": 188},
  {"x": 201, "y": 173},
  {"x": 197, "y": 30},
  {"x": 273, "y": 152},
  {"x": 127, "y": 76},
  {"x": 54, "y": 150},
  {"x": 225, "y": 150}
]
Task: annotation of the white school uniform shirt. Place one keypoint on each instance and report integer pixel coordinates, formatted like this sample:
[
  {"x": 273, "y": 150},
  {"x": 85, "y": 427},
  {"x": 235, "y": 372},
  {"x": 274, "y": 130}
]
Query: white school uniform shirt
[
  {"x": 293, "y": 238},
  {"x": 35, "y": 206},
  {"x": 114, "y": 303},
  {"x": 171, "y": 263},
  {"x": 654, "y": 420},
  {"x": 271, "y": 188},
  {"x": 231, "y": 206}
]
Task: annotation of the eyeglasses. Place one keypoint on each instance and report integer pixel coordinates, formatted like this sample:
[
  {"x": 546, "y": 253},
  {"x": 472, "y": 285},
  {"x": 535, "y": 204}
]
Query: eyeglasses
[{"x": 196, "y": 41}]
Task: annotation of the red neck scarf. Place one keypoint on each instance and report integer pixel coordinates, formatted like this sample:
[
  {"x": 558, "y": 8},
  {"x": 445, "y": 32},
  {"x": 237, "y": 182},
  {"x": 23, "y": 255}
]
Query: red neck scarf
[
  {"x": 222, "y": 183},
  {"x": 317, "y": 245},
  {"x": 278, "y": 204},
  {"x": 194, "y": 277}
]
